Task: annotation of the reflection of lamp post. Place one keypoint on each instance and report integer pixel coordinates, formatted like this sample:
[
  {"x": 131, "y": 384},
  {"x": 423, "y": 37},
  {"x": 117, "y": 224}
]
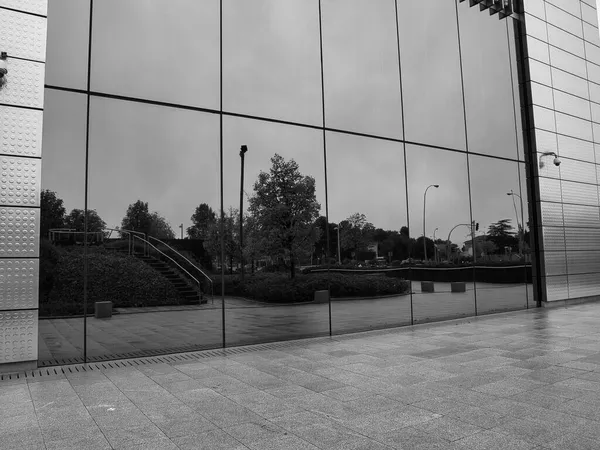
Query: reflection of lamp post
[
  {"x": 434, "y": 246},
  {"x": 339, "y": 252},
  {"x": 424, "y": 200},
  {"x": 243, "y": 150},
  {"x": 520, "y": 228}
]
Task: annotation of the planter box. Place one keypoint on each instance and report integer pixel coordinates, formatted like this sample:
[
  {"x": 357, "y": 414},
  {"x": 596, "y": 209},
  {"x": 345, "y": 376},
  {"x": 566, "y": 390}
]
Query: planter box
[
  {"x": 458, "y": 286},
  {"x": 321, "y": 297},
  {"x": 427, "y": 286},
  {"x": 103, "y": 310}
]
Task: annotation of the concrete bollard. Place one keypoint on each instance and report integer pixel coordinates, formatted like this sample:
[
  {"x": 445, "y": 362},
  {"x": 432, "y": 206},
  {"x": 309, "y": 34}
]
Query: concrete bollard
[
  {"x": 427, "y": 286},
  {"x": 458, "y": 286},
  {"x": 103, "y": 310}
]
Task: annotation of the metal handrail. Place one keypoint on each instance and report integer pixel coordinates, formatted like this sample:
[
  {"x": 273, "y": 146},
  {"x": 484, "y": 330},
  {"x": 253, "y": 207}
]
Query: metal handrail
[
  {"x": 175, "y": 262},
  {"x": 179, "y": 254}
]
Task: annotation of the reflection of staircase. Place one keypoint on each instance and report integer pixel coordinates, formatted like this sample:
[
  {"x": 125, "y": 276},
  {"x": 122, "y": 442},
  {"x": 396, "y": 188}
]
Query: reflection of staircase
[{"x": 180, "y": 284}]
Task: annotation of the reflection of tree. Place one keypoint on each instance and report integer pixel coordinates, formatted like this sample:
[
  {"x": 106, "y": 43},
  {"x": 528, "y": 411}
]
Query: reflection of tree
[
  {"x": 285, "y": 208},
  {"x": 203, "y": 218},
  {"x": 139, "y": 218},
  {"x": 75, "y": 221},
  {"x": 52, "y": 212},
  {"x": 212, "y": 244},
  {"x": 356, "y": 233},
  {"x": 501, "y": 235}
]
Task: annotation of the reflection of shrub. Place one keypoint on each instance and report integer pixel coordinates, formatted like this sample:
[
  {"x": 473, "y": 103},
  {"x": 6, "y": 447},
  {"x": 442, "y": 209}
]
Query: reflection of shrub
[
  {"x": 121, "y": 279},
  {"x": 396, "y": 263},
  {"x": 49, "y": 256},
  {"x": 278, "y": 288}
]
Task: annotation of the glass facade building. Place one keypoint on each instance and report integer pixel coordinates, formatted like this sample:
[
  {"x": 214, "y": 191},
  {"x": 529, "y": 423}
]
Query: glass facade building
[{"x": 225, "y": 172}]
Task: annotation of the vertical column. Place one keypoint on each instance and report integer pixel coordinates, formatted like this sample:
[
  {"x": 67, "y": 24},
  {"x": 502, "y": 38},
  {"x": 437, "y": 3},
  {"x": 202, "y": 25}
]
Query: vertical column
[{"x": 23, "y": 38}]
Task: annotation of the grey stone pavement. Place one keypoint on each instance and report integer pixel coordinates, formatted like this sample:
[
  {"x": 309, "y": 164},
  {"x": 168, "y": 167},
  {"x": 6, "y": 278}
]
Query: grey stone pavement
[
  {"x": 172, "y": 329},
  {"x": 518, "y": 380}
]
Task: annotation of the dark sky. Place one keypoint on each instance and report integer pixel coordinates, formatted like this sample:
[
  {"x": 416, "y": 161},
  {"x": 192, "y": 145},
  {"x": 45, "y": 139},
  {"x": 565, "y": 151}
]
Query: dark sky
[{"x": 169, "y": 51}]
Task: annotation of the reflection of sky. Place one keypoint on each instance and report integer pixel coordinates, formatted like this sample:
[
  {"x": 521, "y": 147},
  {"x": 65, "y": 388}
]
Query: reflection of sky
[{"x": 170, "y": 157}]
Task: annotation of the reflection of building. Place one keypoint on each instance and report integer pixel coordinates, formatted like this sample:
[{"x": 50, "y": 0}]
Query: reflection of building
[{"x": 162, "y": 128}]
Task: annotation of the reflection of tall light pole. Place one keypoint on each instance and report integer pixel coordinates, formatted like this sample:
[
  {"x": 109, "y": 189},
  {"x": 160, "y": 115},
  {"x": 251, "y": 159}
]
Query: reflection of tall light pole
[
  {"x": 243, "y": 150},
  {"x": 521, "y": 227},
  {"x": 339, "y": 252},
  {"x": 434, "y": 246},
  {"x": 424, "y": 200}
]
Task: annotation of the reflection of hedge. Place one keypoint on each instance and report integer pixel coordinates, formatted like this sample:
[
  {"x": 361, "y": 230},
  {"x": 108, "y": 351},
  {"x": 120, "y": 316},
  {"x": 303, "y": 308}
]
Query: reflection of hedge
[
  {"x": 278, "y": 288},
  {"x": 121, "y": 279}
]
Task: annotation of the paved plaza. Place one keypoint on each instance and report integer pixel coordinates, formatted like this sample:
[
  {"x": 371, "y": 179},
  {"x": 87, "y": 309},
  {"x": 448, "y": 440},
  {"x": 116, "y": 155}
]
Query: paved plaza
[
  {"x": 518, "y": 380},
  {"x": 143, "y": 331}
]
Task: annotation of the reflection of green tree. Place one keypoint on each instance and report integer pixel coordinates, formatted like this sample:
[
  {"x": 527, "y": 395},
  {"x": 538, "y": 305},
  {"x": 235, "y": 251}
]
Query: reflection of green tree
[
  {"x": 75, "y": 221},
  {"x": 356, "y": 233},
  {"x": 52, "y": 212},
  {"x": 202, "y": 220},
  {"x": 212, "y": 244},
  {"x": 139, "y": 218},
  {"x": 285, "y": 208},
  {"x": 501, "y": 234}
]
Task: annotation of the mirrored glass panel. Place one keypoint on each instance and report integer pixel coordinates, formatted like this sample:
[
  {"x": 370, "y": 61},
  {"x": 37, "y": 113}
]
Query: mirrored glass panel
[
  {"x": 528, "y": 248},
  {"x": 61, "y": 265},
  {"x": 491, "y": 127},
  {"x": 273, "y": 265},
  {"x": 67, "y": 43},
  {"x": 500, "y": 250},
  {"x": 271, "y": 59},
  {"x": 370, "y": 272},
  {"x": 165, "y": 50},
  {"x": 153, "y": 200},
  {"x": 442, "y": 269},
  {"x": 361, "y": 72},
  {"x": 431, "y": 82}
]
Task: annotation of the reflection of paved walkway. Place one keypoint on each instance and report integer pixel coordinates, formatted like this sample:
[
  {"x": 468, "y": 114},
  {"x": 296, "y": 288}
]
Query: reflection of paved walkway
[{"x": 126, "y": 335}]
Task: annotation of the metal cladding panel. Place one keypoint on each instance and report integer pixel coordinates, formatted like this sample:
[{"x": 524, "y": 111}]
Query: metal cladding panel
[
  {"x": 583, "y": 172},
  {"x": 554, "y": 238},
  {"x": 25, "y": 84},
  {"x": 18, "y": 336},
  {"x": 569, "y": 194},
  {"x": 19, "y": 283},
  {"x": 584, "y": 285},
  {"x": 538, "y": 50},
  {"x": 550, "y": 189},
  {"x": 581, "y": 216},
  {"x": 20, "y": 131},
  {"x": 584, "y": 262},
  {"x": 582, "y": 238},
  {"x": 552, "y": 214},
  {"x": 580, "y": 193},
  {"x": 555, "y": 263},
  {"x": 23, "y": 35},
  {"x": 557, "y": 287},
  {"x": 20, "y": 180},
  {"x": 31, "y": 6},
  {"x": 19, "y": 232}
]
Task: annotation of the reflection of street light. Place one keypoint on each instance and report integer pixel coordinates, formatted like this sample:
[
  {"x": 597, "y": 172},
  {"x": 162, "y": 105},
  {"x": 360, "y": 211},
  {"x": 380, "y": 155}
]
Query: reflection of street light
[
  {"x": 339, "y": 253},
  {"x": 424, "y": 200},
  {"x": 434, "y": 246},
  {"x": 520, "y": 228},
  {"x": 243, "y": 150}
]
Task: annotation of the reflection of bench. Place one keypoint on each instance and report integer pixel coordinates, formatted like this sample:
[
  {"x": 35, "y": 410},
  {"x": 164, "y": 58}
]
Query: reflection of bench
[
  {"x": 103, "y": 310},
  {"x": 427, "y": 286},
  {"x": 458, "y": 286}
]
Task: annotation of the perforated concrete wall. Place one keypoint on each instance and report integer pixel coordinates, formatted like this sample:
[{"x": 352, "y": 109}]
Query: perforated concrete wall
[
  {"x": 23, "y": 37},
  {"x": 563, "y": 50}
]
